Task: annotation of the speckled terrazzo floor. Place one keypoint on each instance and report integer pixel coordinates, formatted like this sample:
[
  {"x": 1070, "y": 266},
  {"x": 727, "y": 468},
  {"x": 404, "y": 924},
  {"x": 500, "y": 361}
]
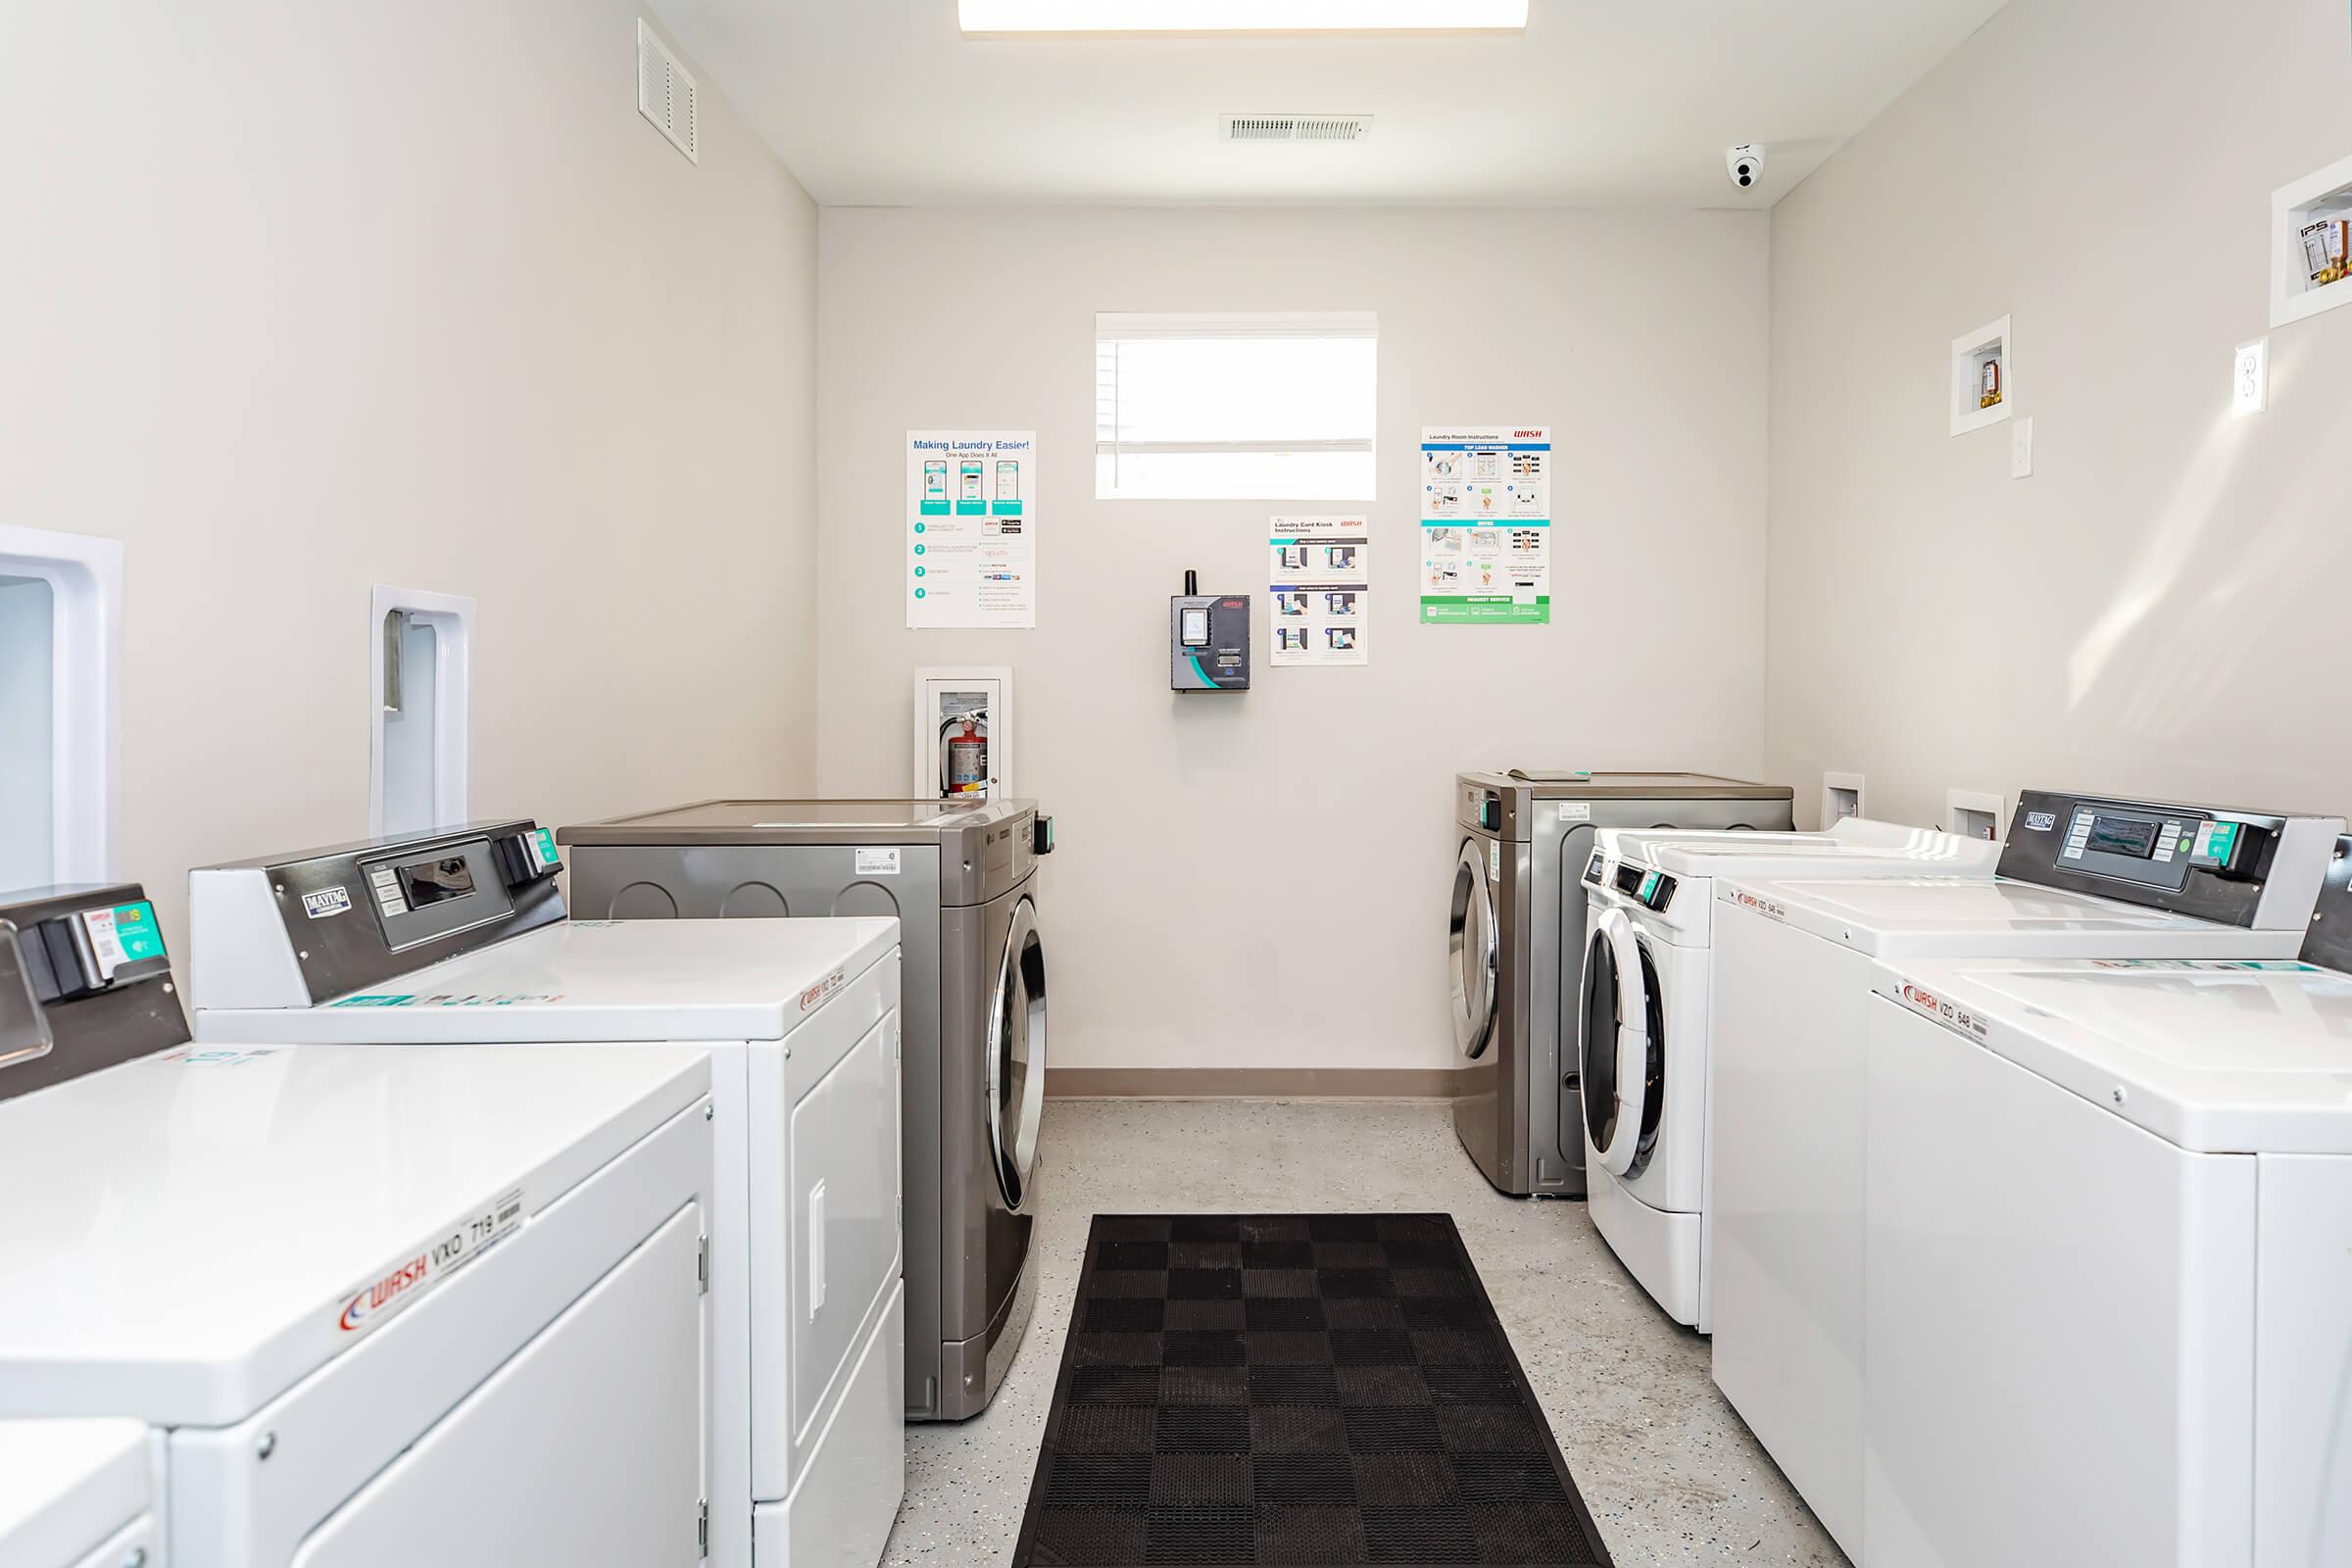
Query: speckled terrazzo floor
[{"x": 1671, "y": 1474}]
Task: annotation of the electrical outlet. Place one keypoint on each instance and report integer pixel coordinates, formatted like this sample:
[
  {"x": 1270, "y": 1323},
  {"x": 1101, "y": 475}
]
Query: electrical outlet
[
  {"x": 2021, "y": 450},
  {"x": 2250, "y": 390}
]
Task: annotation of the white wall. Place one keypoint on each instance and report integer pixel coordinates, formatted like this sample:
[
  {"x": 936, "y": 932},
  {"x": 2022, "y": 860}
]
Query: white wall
[
  {"x": 2159, "y": 609},
  {"x": 1259, "y": 880},
  {"x": 300, "y": 298}
]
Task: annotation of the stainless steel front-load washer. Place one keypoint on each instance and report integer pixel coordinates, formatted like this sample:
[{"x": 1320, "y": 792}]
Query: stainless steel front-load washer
[
  {"x": 963, "y": 880},
  {"x": 1515, "y": 943}
]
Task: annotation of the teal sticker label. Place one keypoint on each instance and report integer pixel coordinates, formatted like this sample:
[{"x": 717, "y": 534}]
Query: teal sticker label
[
  {"x": 971, "y": 509},
  {"x": 136, "y": 929},
  {"x": 121, "y": 936},
  {"x": 542, "y": 850},
  {"x": 375, "y": 1002},
  {"x": 1005, "y": 509},
  {"x": 2216, "y": 840},
  {"x": 933, "y": 509}
]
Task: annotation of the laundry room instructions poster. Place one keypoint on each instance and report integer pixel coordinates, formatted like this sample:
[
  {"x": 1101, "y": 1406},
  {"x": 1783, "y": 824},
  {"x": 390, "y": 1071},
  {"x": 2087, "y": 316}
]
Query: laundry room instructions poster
[
  {"x": 971, "y": 529},
  {"x": 1319, "y": 572},
  {"x": 1485, "y": 524}
]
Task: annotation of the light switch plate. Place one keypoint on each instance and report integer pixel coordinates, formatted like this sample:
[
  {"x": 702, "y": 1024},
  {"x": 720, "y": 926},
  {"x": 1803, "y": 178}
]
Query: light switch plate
[
  {"x": 2250, "y": 388},
  {"x": 2021, "y": 450}
]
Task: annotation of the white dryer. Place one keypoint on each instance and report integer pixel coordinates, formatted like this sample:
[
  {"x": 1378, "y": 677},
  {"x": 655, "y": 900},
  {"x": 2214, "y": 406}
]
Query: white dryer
[
  {"x": 2109, "y": 1261},
  {"x": 459, "y": 938},
  {"x": 2080, "y": 877},
  {"x": 376, "y": 1304},
  {"x": 79, "y": 1494},
  {"x": 1641, "y": 1028}
]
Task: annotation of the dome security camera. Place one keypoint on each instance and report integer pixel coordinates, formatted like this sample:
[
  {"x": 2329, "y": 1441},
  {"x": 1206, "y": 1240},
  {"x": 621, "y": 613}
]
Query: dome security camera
[{"x": 1746, "y": 165}]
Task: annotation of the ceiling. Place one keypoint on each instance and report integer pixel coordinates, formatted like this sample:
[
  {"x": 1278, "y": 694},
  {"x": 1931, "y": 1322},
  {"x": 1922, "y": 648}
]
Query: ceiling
[{"x": 1601, "y": 103}]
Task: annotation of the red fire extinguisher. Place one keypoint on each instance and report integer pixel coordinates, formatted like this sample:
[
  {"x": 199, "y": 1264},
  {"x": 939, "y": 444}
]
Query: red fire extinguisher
[{"x": 963, "y": 753}]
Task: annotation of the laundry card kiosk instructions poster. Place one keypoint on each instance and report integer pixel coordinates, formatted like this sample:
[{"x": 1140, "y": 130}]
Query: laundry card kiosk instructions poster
[
  {"x": 1485, "y": 524},
  {"x": 1319, "y": 576},
  {"x": 971, "y": 529}
]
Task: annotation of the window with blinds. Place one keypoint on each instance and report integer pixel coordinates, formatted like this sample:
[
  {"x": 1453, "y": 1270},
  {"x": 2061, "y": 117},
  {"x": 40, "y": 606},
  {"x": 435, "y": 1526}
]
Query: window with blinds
[{"x": 1276, "y": 407}]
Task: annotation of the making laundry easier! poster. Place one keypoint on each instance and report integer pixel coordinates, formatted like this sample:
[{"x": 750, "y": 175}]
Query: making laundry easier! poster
[
  {"x": 1485, "y": 524},
  {"x": 1320, "y": 572},
  {"x": 971, "y": 529}
]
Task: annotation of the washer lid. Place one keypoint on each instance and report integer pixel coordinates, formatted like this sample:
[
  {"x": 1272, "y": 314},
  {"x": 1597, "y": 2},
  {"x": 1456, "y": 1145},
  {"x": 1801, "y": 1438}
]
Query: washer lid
[
  {"x": 1993, "y": 918},
  {"x": 2214, "y": 1056},
  {"x": 1571, "y": 785},
  {"x": 599, "y": 980},
  {"x": 1852, "y": 848},
  {"x": 190, "y": 1233},
  {"x": 846, "y": 821},
  {"x": 66, "y": 1486}
]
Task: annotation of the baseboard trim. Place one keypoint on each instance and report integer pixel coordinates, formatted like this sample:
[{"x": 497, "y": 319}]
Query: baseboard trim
[{"x": 1252, "y": 1083}]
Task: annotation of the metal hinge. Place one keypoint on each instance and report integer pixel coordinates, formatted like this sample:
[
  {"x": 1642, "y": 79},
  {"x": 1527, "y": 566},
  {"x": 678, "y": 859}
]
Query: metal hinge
[
  {"x": 702, "y": 1264},
  {"x": 701, "y": 1525}
]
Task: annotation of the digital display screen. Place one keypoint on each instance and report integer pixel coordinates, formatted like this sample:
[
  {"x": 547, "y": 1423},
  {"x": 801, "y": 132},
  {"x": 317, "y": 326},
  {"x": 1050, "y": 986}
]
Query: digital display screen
[
  {"x": 436, "y": 881},
  {"x": 2124, "y": 835}
]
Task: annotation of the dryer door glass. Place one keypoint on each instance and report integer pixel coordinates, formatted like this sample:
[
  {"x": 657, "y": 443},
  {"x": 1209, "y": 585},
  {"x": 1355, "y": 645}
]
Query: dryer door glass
[
  {"x": 1603, "y": 1009},
  {"x": 1470, "y": 952},
  {"x": 1016, "y": 1055}
]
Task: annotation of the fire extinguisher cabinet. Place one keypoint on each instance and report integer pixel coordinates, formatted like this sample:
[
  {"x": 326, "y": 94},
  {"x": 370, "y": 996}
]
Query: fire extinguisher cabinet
[{"x": 964, "y": 733}]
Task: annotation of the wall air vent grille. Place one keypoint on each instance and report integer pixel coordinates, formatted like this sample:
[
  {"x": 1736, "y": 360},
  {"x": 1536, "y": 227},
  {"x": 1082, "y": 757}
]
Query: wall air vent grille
[
  {"x": 667, "y": 94},
  {"x": 1297, "y": 128}
]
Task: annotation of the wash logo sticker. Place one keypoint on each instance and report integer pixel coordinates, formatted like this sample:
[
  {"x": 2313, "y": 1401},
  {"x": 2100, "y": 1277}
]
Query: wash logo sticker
[
  {"x": 1928, "y": 1004},
  {"x": 1763, "y": 907},
  {"x": 418, "y": 1272},
  {"x": 822, "y": 989}
]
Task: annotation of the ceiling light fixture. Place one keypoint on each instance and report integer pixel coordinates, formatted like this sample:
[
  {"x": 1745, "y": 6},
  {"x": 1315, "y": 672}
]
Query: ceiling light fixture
[{"x": 1030, "y": 17}]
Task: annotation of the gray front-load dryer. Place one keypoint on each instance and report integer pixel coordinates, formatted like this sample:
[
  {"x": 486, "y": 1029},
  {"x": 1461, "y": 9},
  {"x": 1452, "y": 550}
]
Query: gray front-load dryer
[
  {"x": 1515, "y": 944},
  {"x": 962, "y": 879}
]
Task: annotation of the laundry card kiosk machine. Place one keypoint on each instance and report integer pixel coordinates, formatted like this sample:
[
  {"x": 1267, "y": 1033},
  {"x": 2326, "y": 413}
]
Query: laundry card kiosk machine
[
  {"x": 358, "y": 1304},
  {"x": 459, "y": 939},
  {"x": 2080, "y": 876}
]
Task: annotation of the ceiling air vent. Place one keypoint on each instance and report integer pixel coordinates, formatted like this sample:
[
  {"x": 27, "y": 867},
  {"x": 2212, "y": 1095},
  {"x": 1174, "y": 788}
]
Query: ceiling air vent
[
  {"x": 666, "y": 94},
  {"x": 1297, "y": 128}
]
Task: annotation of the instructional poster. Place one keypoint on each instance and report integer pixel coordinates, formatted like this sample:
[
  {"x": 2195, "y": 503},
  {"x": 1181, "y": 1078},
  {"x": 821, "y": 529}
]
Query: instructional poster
[
  {"x": 1320, "y": 575},
  {"x": 1485, "y": 524},
  {"x": 971, "y": 529}
]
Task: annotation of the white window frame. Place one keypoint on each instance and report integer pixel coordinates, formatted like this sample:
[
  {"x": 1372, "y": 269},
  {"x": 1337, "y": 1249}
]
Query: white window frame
[
  {"x": 1138, "y": 326},
  {"x": 84, "y": 574},
  {"x": 451, "y": 618}
]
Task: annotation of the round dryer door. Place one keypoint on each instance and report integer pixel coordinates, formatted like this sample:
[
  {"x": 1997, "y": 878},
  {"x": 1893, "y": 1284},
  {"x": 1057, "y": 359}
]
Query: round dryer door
[
  {"x": 1622, "y": 1033},
  {"x": 1016, "y": 1055},
  {"x": 1470, "y": 952}
]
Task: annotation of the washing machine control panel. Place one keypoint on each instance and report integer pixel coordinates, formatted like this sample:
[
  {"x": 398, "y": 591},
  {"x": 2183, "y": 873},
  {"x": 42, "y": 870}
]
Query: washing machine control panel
[
  {"x": 2247, "y": 870},
  {"x": 84, "y": 984},
  {"x": 354, "y": 917},
  {"x": 1652, "y": 890}
]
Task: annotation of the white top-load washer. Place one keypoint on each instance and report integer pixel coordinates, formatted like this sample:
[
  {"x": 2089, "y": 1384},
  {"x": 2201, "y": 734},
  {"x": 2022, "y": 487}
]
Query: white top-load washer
[
  {"x": 374, "y": 1304},
  {"x": 460, "y": 937},
  {"x": 2108, "y": 1276},
  {"x": 2080, "y": 877},
  {"x": 79, "y": 1494},
  {"x": 1640, "y": 1028}
]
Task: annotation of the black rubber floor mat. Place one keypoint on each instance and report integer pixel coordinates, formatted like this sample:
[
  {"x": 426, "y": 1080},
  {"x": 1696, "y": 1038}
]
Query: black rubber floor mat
[{"x": 1294, "y": 1389}]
